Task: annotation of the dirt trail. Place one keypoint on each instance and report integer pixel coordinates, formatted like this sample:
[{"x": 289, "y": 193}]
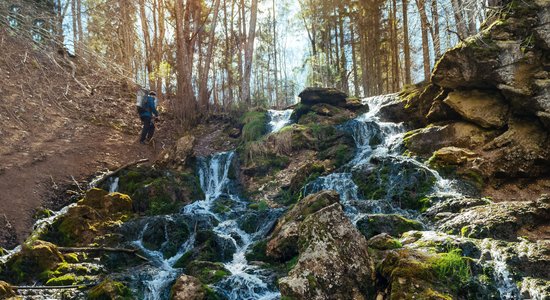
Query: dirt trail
[
  {"x": 36, "y": 171},
  {"x": 53, "y": 130}
]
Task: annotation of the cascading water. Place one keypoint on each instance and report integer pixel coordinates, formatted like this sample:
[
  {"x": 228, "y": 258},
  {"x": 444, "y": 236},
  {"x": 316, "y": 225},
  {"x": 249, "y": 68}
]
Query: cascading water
[
  {"x": 279, "y": 119},
  {"x": 245, "y": 281},
  {"x": 380, "y": 146}
]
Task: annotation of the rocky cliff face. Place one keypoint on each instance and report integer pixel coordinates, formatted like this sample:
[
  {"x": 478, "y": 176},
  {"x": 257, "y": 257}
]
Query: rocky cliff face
[{"x": 490, "y": 97}]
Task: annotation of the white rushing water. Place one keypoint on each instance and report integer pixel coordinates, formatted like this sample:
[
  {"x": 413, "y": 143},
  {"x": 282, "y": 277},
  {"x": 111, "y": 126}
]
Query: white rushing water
[
  {"x": 278, "y": 119},
  {"x": 245, "y": 281},
  {"x": 379, "y": 141}
]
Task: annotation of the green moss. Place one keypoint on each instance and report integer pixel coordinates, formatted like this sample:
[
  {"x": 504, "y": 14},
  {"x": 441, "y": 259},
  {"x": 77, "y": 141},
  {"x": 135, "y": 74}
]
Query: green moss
[
  {"x": 289, "y": 265},
  {"x": 71, "y": 257},
  {"x": 109, "y": 289},
  {"x": 67, "y": 279},
  {"x": 185, "y": 259},
  {"x": 260, "y": 206},
  {"x": 299, "y": 110},
  {"x": 451, "y": 267},
  {"x": 210, "y": 293},
  {"x": 257, "y": 252},
  {"x": 255, "y": 126}
]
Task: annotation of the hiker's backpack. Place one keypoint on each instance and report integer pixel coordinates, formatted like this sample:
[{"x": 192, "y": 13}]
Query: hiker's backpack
[{"x": 141, "y": 100}]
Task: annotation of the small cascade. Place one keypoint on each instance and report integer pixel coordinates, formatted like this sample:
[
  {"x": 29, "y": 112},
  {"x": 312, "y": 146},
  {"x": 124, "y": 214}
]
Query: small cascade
[
  {"x": 245, "y": 281},
  {"x": 379, "y": 156},
  {"x": 113, "y": 184},
  {"x": 506, "y": 286},
  {"x": 279, "y": 119}
]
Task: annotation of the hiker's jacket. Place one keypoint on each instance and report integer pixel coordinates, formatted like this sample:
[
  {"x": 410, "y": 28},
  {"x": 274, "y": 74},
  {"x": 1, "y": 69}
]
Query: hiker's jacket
[{"x": 150, "y": 108}]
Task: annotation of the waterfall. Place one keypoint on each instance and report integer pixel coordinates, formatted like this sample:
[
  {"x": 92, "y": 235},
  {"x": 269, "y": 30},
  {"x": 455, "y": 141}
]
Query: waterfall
[
  {"x": 380, "y": 143},
  {"x": 278, "y": 119},
  {"x": 246, "y": 281}
]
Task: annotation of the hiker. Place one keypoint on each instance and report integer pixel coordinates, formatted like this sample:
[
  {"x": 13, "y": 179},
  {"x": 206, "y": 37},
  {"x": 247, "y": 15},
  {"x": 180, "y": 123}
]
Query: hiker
[{"x": 146, "y": 115}]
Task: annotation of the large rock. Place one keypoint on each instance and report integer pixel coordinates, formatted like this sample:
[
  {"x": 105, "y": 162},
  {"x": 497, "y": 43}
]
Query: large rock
[
  {"x": 508, "y": 55},
  {"x": 425, "y": 141},
  {"x": 313, "y": 95},
  {"x": 522, "y": 151},
  {"x": 106, "y": 203},
  {"x": 487, "y": 110},
  {"x": 393, "y": 225},
  {"x": 334, "y": 261},
  {"x": 188, "y": 288},
  {"x": 283, "y": 243},
  {"x": 109, "y": 289},
  {"x": 32, "y": 260},
  {"x": 499, "y": 220}
]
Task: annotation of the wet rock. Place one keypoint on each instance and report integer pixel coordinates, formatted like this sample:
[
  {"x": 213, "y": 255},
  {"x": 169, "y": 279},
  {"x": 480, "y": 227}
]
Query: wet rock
[
  {"x": 32, "y": 260},
  {"x": 5, "y": 290},
  {"x": 452, "y": 206},
  {"x": 165, "y": 235},
  {"x": 8, "y": 236},
  {"x": 425, "y": 141},
  {"x": 498, "y": 220},
  {"x": 404, "y": 183},
  {"x": 486, "y": 109},
  {"x": 393, "y": 225},
  {"x": 384, "y": 241},
  {"x": 109, "y": 289},
  {"x": 283, "y": 243},
  {"x": 327, "y": 266},
  {"x": 332, "y": 96},
  {"x": 207, "y": 272},
  {"x": 188, "y": 288}
]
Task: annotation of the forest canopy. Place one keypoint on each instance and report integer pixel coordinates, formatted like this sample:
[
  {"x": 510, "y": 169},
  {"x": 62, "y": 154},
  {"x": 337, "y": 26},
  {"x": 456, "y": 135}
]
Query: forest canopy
[{"x": 209, "y": 55}]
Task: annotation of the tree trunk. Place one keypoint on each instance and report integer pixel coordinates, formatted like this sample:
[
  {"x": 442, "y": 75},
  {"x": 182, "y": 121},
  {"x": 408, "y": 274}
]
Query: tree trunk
[
  {"x": 425, "y": 43},
  {"x": 249, "y": 52},
  {"x": 406, "y": 43}
]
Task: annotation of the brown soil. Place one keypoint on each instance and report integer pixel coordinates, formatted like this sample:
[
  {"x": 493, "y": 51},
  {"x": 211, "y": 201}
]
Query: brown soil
[{"x": 56, "y": 129}]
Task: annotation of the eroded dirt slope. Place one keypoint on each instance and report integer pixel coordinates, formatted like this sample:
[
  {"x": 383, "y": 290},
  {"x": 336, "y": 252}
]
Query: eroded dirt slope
[{"x": 56, "y": 129}]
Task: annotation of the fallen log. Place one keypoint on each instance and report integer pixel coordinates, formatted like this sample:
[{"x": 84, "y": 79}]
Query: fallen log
[
  {"x": 102, "y": 249},
  {"x": 126, "y": 166},
  {"x": 53, "y": 287}
]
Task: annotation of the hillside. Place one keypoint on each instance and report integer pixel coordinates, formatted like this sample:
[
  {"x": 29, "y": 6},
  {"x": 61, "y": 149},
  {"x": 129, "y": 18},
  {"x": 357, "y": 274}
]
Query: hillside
[{"x": 54, "y": 128}]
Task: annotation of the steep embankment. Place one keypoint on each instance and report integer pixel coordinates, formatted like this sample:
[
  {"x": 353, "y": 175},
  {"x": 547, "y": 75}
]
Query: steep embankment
[{"x": 55, "y": 127}]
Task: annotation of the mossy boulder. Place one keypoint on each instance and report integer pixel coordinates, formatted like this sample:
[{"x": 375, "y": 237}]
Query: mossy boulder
[
  {"x": 313, "y": 95},
  {"x": 501, "y": 220},
  {"x": 404, "y": 183},
  {"x": 6, "y": 291},
  {"x": 33, "y": 260},
  {"x": 207, "y": 272},
  {"x": 165, "y": 235},
  {"x": 159, "y": 192},
  {"x": 393, "y": 225},
  {"x": 412, "y": 274},
  {"x": 105, "y": 203},
  {"x": 384, "y": 241},
  {"x": 110, "y": 289},
  {"x": 283, "y": 242},
  {"x": 254, "y": 125},
  {"x": 208, "y": 247},
  {"x": 326, "y": 265}
]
